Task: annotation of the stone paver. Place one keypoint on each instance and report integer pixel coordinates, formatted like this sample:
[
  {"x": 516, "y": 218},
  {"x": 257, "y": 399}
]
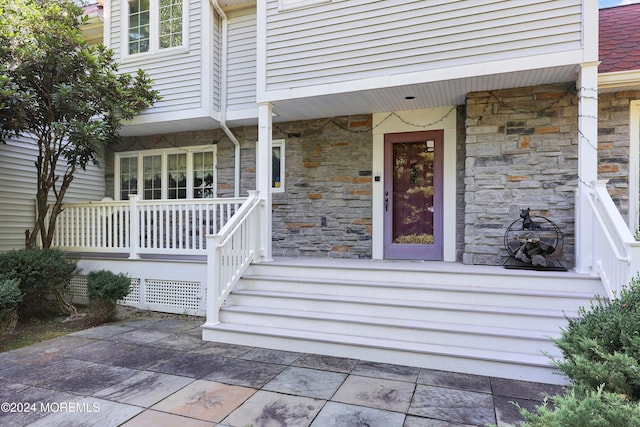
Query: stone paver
[
  {"x": 306, "y": 382},
  {"x": 271, "y": 356},
  {"x": 162, "y": 419},
  {"x": 327, "y": 363},
  {"x": 385, "y": 370},
  {"x": 205, "y": 400},
  {"x": 336, "y": 414},
  {"x": 266, "y": 408},
  {"x": 455, "y": 380},
  {"x": 144, "y": 389},
  {"x": 89, "y": 412},
  {"x": 245, "y": 373},
  {"x": 141, "y": 357},
  {"x": 457, "y": 406},
  {"x": 376, "y": 393},
  {"x": 191, "y": 365},
  {"x": 152, "y": 372}
]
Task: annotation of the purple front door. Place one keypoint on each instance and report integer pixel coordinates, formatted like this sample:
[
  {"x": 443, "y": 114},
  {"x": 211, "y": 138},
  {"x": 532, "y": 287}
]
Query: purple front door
[{"x": 413, "y": 195}]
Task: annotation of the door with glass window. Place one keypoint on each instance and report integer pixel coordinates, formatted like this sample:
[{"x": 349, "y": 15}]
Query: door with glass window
[{"x": 413, "y": 195}]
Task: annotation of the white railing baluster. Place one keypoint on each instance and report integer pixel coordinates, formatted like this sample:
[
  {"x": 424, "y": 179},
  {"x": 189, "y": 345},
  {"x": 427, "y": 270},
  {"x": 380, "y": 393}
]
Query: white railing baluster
[
  {"x": 616, "y": 253},
  {"x": 143, "y": 226},
  {"x": 230, "y": 252}
]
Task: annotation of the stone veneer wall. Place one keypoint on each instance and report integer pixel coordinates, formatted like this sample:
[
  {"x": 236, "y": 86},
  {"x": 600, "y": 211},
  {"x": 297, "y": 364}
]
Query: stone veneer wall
[
  {"x": 521, "y": 152},
  {"x": 613, "y": 144},
  {"x": 461, "y": 155},
  {"x": 325, "y": 210}
]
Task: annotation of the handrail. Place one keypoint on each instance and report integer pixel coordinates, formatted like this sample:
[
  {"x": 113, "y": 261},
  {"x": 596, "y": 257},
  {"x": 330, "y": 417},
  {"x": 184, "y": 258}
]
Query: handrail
[
  {"x": 231, "y": 225},
  {"x": 607, "y": 233},
  {"x": 616, "y": 253},
  {"x": 229, "y": 253}
]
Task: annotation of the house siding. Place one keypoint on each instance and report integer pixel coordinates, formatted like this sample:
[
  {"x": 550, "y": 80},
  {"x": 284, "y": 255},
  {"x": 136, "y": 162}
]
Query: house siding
[
  {"x": 177, "y": 75},
  {"x": 344, "y": 40},
  {"x": 18, "y": 190},
  {"x": 241, "y": 65}
]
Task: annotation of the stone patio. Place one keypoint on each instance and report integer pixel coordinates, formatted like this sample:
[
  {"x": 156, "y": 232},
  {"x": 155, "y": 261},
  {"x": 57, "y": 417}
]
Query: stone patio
[{"x": 160, "y": 373}]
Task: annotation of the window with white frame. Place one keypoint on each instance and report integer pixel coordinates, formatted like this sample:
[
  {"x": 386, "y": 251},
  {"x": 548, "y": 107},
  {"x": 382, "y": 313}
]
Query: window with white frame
[
  {"x": 154, "y": 25},
  {"x": 295, "y": 4},
  {"x": 177, "y": 173},
  {"x": 277, "y": 166}
]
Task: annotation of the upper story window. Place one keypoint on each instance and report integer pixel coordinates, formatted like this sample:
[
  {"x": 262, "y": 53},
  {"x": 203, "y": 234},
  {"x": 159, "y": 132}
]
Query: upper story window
[
  {"x": 180, "y": 173},
  {"x": 154, "y": 25}
]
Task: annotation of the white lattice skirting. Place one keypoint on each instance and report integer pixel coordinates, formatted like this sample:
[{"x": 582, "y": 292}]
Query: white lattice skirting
[{"x": 168, "y": 296}]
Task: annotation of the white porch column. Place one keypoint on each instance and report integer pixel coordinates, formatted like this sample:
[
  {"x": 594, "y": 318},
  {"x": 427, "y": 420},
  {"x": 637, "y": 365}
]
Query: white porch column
[
  {"x": 587, "y": 164},
  {"x": 263, "y": 177}
]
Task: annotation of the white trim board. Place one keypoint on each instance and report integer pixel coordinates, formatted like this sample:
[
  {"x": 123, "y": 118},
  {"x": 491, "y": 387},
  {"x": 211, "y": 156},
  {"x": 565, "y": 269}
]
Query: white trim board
[
  {"x": 634, "y": 165},
  {"x": 383, "y": 124}
]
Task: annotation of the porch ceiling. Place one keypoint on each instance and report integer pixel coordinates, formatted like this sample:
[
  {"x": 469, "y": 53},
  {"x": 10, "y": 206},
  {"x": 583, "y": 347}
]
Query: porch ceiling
[{"x": 427, "y": 95}]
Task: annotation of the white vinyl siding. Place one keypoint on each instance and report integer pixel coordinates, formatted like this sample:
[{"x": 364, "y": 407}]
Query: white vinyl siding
[
  {"x": 357, "y": 39},
  {"x": 178, "y": 73},
  {"x": 18, "y": 190},
  {"x": 241, "y": 66},
  {"x": 216, "y": 51}
]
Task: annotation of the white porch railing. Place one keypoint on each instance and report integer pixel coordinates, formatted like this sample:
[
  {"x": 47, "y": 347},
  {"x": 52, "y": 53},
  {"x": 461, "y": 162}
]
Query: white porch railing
[
  {"x": 616, "y": 253},
  {"x": 229, "y": 254},
  {"x": 172, "y": 227}
]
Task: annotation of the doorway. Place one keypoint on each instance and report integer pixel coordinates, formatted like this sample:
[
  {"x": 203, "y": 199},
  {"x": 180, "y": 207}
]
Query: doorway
[{"x": 413, "y": 221}]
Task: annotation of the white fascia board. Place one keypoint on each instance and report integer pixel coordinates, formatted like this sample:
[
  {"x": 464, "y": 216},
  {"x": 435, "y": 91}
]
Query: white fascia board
[
  {"x": 245, "y": 114},
  {"x": 618, "y": 79},
  {"x": 145, "y": 119},
  {"x": 558, "y": 59}
]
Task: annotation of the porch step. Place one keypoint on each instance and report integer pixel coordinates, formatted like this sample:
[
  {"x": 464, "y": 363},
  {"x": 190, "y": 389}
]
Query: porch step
[
  {"x": 446, "y": 317},
  {"x": 437, "y": 333},
  {"x": 560, "y": 300},
  {"x": 546, "y": 320}
]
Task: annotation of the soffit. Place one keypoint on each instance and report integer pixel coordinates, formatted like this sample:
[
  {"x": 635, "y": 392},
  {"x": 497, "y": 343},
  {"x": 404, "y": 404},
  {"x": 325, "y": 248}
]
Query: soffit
[
  {"x": 230, "y": 5},
  {"x": 426, "y": 95}
]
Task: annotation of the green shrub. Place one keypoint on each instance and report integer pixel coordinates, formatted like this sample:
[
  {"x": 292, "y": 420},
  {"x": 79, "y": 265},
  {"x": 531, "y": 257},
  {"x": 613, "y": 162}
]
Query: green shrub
[
  {"x": 602, "y": 345},
  {"x": 10, "y": 298},
  {"x": 601, "y": 357},
  {"x": 105, "y": 289},
  {"x": 42, "y": 273},
  {"x": 593, "y": 408}
]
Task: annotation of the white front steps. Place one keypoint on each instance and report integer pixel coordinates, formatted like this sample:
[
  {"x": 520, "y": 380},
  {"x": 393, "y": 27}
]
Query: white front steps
[{"x": 445, "y": 316}]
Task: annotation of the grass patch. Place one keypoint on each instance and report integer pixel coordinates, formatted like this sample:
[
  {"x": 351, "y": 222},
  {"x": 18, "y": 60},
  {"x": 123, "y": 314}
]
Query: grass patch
[{"x": 34, "y": 330}]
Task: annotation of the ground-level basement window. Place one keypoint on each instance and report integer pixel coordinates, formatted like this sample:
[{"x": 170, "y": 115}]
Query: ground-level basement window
[{"x": 176, "y": 173}]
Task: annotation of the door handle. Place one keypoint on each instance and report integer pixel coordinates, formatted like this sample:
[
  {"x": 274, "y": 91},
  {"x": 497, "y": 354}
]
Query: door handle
[{"x": 386, "y": 201}]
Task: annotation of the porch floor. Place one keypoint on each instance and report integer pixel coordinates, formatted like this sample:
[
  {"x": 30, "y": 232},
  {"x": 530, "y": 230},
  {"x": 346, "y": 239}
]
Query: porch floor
[
  {"x": 159, "y": 372},
  {"x": 420, "y": 266}
]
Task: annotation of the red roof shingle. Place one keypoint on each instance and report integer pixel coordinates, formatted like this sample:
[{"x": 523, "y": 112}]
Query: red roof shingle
[{"x": 620, "y": 38}]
